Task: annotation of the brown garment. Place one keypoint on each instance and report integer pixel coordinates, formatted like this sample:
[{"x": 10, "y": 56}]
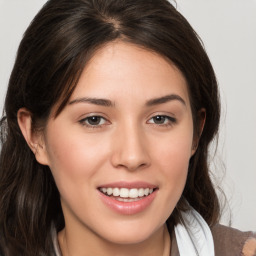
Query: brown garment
[{"x": 227, "y": 242}]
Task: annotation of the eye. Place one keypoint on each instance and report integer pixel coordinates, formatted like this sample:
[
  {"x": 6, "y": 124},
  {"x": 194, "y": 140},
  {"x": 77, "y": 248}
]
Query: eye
[
  {"x": 162, "y": 120},
  {"x": 93, "y": 121}
]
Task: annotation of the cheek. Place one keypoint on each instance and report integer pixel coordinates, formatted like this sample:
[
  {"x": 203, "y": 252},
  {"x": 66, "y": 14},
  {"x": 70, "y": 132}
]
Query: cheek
[
  {"x": 73, "y": 159},
  {"x": 174, "y": 167},
  {"x": 175, "y": 151},
  {"x": 172, "y": 157},
  {"x": 174, "y": 170}
]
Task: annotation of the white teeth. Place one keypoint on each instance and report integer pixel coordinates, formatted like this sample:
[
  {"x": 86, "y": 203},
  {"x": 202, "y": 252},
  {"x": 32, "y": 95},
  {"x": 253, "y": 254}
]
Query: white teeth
[
  {"x": 125, "y": 193},
  {"x": 141, "y": 192},
  {"x": 127, "y": 199},
  {"x": 109, "y": 191},
  {"x": 115, "y": 192},
  {"x": 133, "y": 193}
]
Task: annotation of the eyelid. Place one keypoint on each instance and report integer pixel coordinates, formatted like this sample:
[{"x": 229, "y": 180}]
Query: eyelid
[
  {"x": 83, "y": 121},
  {"x": 172, "y": 120}
]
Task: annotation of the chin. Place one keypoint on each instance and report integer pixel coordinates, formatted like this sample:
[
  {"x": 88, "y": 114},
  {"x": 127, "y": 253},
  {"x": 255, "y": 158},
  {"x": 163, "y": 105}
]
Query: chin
[{"x": 135, "y": 234}]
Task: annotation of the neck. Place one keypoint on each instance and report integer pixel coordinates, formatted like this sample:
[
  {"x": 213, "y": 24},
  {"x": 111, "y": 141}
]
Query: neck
[{"x": 157, "y": 244}]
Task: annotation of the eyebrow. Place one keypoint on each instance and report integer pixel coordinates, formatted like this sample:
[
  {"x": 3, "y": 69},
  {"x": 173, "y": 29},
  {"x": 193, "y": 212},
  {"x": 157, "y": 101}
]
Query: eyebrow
[
  {"x": 165, "y": 99},
  {"x": 109, "y": 103},
  {"x": 95, "y": 101}
]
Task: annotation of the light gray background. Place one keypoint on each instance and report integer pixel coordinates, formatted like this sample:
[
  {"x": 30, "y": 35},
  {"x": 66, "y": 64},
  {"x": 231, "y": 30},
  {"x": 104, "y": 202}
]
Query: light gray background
[{"x": 228, "y": 30}]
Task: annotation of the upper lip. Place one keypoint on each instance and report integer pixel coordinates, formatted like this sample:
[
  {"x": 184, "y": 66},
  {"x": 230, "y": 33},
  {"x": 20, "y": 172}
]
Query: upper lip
[{"x": 125, "y": 184}]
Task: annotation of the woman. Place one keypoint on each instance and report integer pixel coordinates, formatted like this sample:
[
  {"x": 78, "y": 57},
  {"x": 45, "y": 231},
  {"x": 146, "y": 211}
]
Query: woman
[{"x": 110, "y": 109}]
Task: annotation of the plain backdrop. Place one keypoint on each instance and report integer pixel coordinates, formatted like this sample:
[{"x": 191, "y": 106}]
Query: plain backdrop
[{"x": 228, "y": 30}]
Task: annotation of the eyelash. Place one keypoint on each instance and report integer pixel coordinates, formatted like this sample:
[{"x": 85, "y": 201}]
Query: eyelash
[
  {"x": 168, "y": 121},
  {"x": 85, "y": 122}
]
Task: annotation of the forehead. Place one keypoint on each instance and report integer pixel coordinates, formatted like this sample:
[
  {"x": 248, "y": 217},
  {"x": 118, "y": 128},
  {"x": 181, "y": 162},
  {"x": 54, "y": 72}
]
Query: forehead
[{"x": 125, "y": 68}]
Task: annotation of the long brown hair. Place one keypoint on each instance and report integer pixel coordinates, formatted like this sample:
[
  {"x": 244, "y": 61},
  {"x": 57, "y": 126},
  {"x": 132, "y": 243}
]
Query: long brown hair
[{"x": 61, "y": 39}]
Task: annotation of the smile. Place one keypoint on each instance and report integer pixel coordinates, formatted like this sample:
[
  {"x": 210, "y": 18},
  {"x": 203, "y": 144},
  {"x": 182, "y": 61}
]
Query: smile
[
  {"x": 128, "y": 198},
  {"x": 127, "y": 195}
]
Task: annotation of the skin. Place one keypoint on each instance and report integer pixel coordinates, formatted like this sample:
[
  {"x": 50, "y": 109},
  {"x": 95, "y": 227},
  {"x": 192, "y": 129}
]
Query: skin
[{"x": 127, "y": 145}]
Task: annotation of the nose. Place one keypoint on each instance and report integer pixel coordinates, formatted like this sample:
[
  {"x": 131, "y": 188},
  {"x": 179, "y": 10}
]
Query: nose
[{"x": 130, "y": 149}]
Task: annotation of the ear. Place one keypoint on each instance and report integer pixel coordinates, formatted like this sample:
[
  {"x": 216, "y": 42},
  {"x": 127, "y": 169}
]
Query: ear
[
  {"x": 201, "y": 117},
  {"x": 34, "y": 139}
]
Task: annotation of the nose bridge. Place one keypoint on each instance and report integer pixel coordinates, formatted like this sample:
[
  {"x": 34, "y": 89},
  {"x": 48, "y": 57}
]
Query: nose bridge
[{"x": 130, "y": 147}]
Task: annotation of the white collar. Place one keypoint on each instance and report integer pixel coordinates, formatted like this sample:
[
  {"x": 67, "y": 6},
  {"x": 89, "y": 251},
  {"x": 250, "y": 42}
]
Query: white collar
[{"x": 194, "y": 237}]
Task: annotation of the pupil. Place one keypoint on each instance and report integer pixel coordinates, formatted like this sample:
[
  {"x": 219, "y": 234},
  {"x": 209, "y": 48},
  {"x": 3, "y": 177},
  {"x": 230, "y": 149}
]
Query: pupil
[
  {"x": 159, "y": 119},
  {"x": 94, "y": 120}
]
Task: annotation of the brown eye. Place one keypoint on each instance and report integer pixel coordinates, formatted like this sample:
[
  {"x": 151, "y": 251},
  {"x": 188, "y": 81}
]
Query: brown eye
[
  {"x": 159, "y": 119},
  {"x": 93, "y": 121},
  {"x": 162, "y": 120}
]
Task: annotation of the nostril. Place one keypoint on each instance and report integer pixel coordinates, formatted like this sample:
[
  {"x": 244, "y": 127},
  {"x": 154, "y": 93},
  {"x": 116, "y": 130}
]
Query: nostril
[
  {"x": 133, "y": 166},
  {"x": 129, "y": 150}
]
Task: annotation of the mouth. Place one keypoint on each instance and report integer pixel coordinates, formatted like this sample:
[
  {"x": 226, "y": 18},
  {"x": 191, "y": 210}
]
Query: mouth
[
  {"x": 128, "y": 198},
  {"x": 126, "y": 194}
]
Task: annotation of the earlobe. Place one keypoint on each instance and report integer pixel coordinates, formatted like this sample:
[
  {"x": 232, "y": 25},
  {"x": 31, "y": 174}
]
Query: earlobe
[
  {"x": 194, "y": 147},
  {"x": 34, "y": 139}
]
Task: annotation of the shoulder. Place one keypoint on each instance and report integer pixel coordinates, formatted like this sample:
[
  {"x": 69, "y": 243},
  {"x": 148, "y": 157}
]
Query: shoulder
[{"x": 232, "y": 242}]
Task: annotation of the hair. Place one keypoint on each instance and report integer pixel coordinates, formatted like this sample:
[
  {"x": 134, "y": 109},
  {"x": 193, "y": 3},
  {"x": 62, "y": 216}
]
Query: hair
[{"x": 57, "y": 45}]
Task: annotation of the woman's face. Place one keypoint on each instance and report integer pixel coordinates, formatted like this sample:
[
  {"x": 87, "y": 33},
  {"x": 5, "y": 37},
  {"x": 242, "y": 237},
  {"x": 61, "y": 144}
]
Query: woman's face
[{"x": 120, "y": 149}]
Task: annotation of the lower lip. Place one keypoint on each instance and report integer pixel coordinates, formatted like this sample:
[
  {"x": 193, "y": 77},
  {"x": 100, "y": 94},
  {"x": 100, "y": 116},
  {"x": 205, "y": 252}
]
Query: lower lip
[{"x": 128, "y": 208}]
